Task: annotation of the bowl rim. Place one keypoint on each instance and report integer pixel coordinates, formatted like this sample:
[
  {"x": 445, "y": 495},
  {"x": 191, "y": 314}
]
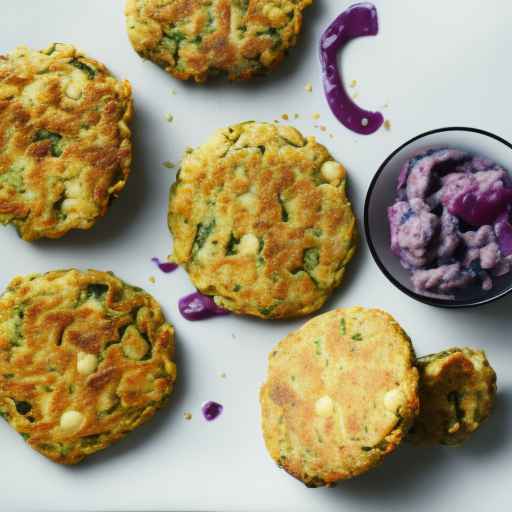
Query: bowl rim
[{"x": 447, "y": 304}]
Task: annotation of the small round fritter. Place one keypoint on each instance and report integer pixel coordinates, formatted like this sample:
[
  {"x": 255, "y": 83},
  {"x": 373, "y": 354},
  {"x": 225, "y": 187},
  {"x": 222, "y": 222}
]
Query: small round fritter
[
  {"x": 457, "y": 393},
  {"x": 341, "y": 393},
  {"x": 261, "y": 221},
  {"x": 197, "y": 38},
  {"x": 65, "y": 145},
  {"x": 84, "y": 359}
]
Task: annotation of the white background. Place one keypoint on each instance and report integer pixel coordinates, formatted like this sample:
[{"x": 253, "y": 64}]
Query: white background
[{"x": 436, "y": 63}]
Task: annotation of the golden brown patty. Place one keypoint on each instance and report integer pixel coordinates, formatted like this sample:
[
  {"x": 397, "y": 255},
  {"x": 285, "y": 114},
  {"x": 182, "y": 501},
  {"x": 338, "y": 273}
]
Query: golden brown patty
[
  {"x": 84, "y": 359},
  {"x": 200, "y": 38},
  {"x": 65, "y": 147},
  {"x": 341, "y": 393},
  {"x": 261, "y": 221},
  {"x": 457, "y": 393}
]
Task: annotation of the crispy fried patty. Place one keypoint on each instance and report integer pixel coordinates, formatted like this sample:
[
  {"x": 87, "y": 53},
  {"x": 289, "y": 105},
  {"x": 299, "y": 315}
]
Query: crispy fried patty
[
  {"x": 340, "y": 394},
  {"x": 200, "y": 38},
  {"x": 457, "y": 393},
  {"x": 65, "y": 145},
  {"x": 84, "y": 359},
  {"x": 261, "y": 221}
]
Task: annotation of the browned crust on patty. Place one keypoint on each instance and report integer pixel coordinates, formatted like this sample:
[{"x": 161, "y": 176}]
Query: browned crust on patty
[
  {"x": 197, "y": 38},
  {"x": 65, "y": 145},
  {"x": 341, "y": 393},
  {"x": 83, "y": 342},
  {"x": 257, "y": 225}
]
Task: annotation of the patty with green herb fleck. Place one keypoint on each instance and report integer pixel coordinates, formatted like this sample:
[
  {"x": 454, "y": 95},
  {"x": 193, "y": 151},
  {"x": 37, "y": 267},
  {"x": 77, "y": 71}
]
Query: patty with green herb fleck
[
  {"x": 199, "y": 39},
  {"x": 261, "y": 220},
  {"x": 341, "y": 393},
  {"x": 84, "y": 359},
  {"x": 65, "y": 144},
  {"x": 457, "y": 393}
]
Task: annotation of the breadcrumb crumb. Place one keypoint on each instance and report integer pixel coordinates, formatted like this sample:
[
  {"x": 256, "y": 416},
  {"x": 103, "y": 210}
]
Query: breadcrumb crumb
[
  {"x": 152, "y": 280},
  {"x": 308, "y": 87},
  {"x": 168, "y": 165},
  {"x": 387, "y": 124},
  {"x": 316, "y": 116},
  {"x": 285, "y": 117},
  {"x": 223, "y": 375},
  {"x": 169, "y": 118},
  {"x": 187, "y": 415},
  {"x": 353, "y": 83}
]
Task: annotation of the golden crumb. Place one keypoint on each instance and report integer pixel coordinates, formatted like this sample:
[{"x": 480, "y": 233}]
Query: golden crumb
[
  {"x": 169, "y": 118},
  {"x": 308, "y": 87},
  {"x": 152, "y": 280},
  {"x": 323, "y": 128},
  {"x": 168, "y": 165},
  {"x": 285, "y": 117},
  {"x": 223, "y": 375},
  {"x": 387, "y": 124},
  {"x": 187, "y": 415},
  {"x": 353, "y": 83},
  {"x": 316, "y": 116}
]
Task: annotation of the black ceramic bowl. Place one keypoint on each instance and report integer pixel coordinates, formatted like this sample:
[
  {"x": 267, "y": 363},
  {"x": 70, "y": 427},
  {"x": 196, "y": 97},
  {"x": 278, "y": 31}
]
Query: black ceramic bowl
[{"x": 382, "y": 194}]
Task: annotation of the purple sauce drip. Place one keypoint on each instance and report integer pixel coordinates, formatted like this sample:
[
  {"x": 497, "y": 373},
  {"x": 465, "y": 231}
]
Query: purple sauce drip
[
  {"x": 197, "y": 306},
  {"x": 358, "y": 20},
  {"x": 165, "y": 266},
  {"x": 211, "y": 410}
]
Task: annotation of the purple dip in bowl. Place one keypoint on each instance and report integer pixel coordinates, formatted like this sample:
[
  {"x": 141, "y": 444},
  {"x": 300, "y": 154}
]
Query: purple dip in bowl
[{"x": 451, "y": 222}]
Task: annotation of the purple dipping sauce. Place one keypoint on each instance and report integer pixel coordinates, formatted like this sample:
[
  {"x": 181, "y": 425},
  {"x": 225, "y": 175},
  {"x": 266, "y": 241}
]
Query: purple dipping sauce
[
  {"x": 211, "y": 410},
  {"x": 197, "y": 306},
  {"x": 164, "y": 266},
  {"x": 450, "y": 224},
  {"x": 358, "y": 20}
]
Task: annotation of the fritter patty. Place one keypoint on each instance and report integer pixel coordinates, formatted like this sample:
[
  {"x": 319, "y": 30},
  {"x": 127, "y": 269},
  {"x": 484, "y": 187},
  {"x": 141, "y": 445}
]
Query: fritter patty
[
  {"x": 65, "y": 145},
  {"x": 457, "y": 393},
  {"x": 201, "y": 38},
  {"x": 261, "y": 221},
  {"x": 84, "y": 359},
  {"x": 340, "y": 394}
]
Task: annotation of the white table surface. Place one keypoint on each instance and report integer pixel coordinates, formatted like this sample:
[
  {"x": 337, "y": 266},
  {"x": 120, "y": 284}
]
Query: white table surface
[{"x": 435, "y": 63}]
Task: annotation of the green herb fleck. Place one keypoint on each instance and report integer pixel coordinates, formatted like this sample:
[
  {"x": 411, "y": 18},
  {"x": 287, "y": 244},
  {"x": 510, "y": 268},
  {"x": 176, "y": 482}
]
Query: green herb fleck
[
  {"x": 318, "y": 345},
  {"x": 90, "y": 72},
  {"x": 203, "y": 232},
  {"x": 311, "y": 259},
  {"x": 357, "y": 337},
  {"x": 55, "y": 139},
  {"x": 343, "y": 327}
]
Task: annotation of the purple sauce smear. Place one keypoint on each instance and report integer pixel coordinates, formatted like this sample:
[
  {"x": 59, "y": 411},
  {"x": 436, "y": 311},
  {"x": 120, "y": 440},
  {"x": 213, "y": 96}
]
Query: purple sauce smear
[
  {"x": 358, "y": 20},
  {"x": 197, "y": 306},
  {"x": 211, "y": 410},
  {"x": 164, "y": 266},
  {"x": 450, "y": 224}
]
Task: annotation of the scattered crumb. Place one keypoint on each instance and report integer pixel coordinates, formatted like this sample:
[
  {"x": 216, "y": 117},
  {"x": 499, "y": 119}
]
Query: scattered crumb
[
  {"x": 323, "y": 128},
  {"x": 169, "y": 118},
  {"x": 152, "y": 280},
  {"x": 233, "y": 336},
  {"x": 296, "y": 116},
  {"x": 276, "y": 121},
  {"x": 168, "y": 165},
  {"x": 355, "y": 96},
  {"x": 172, "y": 92},
  {"x": 285, "y": 117},
  {"x": 187, "y": 415},
  {"x": 387, "y": 124},
  {"x": 169, "y": 258},
  {"x": 364, "y": 121},
  {"x": 308, "y": 87},
  {"x": 316, "y": 126},
  {"x": 386, "y": 105},
  {"x": 223, "y": 375},
  {"x": 316, "y": 116},
  {"x": 353, "y": 83},
  {"x": 331, "y": 136}
]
